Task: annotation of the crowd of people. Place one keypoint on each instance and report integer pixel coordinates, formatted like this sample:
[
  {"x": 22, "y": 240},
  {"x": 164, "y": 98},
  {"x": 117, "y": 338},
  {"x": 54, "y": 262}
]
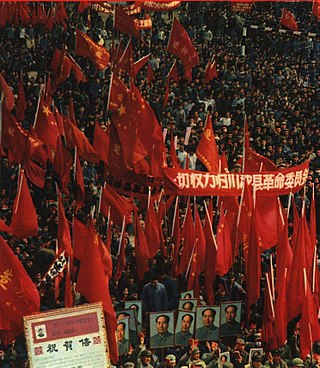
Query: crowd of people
[{"x": 270, "y": 77}]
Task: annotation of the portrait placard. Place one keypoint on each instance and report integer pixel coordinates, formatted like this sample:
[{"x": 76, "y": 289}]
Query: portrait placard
[
  {"x": 230, "y": 318},
  {"x": 188, "y": 304},
  {"x": 161, "y": 329},
  {"x": 136, "y": 305},
  {"x": 184, "y": 328},
  {"x": 207, "y": 323}
]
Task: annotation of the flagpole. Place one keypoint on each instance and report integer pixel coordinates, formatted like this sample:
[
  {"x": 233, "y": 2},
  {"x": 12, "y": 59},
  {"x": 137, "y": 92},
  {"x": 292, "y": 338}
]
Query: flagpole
[
  {"x": 289, "y": 204},
  {"x": 38, "y": 105},
  {"x": 174, "y": 217},
  {"x": 210, "y": 225},
  {"x": 121, "y": 235}
]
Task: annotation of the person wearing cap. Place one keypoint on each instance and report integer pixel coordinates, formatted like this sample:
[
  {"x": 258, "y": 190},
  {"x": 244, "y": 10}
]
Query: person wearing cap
[
  {"x": 128, "y": 365},
  {"x": 163, "y": 338},
  {"x": 231, "y": 326},
  {"x": 144, "y": 360},
  {"x": 239, "y": 356},
  {"x": 192, "y": 358},
  {"x": 274, "y": 360},
  {"x": 297, "y": 362},
  {"x": 170, "y": 362},
  {"x": 208, "y": 331},
  {"x": 256, "y": 361}
]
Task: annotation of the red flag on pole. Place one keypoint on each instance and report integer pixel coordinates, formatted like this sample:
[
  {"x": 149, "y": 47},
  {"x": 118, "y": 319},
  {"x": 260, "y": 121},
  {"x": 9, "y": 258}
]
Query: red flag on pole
[
  {"x": 181, "y": 46},
  {"x": 211, "y": 71},
  {"x": 141, "y": 249},
  {"x": 85, "y": 46},
  {"x": 207, "y": 151},
  {"x": 288, "y": 20},
  {"x": 64, "y": 237},
  {"x": 124, "y": 23},
  {"x": 101, "y": 142},
  {"x": 21, "y": 103},
  {"x": 7, "y": 93},
  {"x": 24, "y": 222}
]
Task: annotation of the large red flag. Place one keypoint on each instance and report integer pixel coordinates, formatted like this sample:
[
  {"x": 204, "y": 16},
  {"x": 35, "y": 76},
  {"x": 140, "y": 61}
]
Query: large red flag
[
  {"x": 21, "y": 103},
  {"x": 85, "y": 46},
  {"x": 152, "y": 231},
  {"x": 119, "y": 205},
  {"x": 8, "y": 96},
  {"x": 62, "y": 165},
  {"x": 118, "y": 91},
  {"x": 176, "y": 235},
  {"x": 18, "y": 294},
  {"x": 64, "y": 237},
  {"x": 46, "y": 126},
  {"x": 211, "y": 71},
  {"x": 141, "y": 249},
  {"x": 76, "y": 138},
  {"x": 101, "y": 142},
  {"x": 93, "y": 283},
  {"x": 150, "y": 74},
  {"x": 121, "y": 256},
  {"x": 34, "y": 173},
  {"x": 268, "y": 318},
  {"x": 288, "y": 20},
  {"x": 124, "y": 23},
  {"x": 24, "y": 221},
  {"x": 207, "y": 151},
  {"x": 181, "y": 46}
]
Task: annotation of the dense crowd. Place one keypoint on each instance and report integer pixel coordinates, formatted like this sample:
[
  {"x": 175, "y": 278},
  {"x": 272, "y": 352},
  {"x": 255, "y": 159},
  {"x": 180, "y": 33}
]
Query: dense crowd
[{"x": 270, "y": 77}]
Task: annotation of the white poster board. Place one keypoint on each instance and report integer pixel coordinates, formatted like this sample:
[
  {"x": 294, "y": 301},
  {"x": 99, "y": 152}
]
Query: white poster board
[{"x": 67, "y": 338}]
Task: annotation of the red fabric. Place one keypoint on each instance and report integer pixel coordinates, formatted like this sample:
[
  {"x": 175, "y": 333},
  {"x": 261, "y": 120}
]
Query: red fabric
[
  {"x": 93, "y": 284},
  {"x": 105, "y": 256},
  {"x": 268, "y": 319},
  {"x": 124, "y": 23},
  {"x": 210, "y": 256},
  {"x": 207, "y": 151},
  {"x": 85, "y": 46},
  {"x": 4, "y": 227},
  {"x": 188, "y": 235},
  {"x": 224, "y": 258},
  {"x": 173, "y": 152},
  {"x": 8, "y": 96},
  {"x": 176, "y": 234},
  {"x": 223, "y": 163},
  {"x": 46, "y": 126},
  {"x": 126, "y": 61},
  {"x": 313, "y": 221},
  {"x": 64, "y": 236},
  {"x": 19, "y": 297},
  {"x": 309, "y": 324},
  {"x": 118, "y": 91},
  {"x": 138, "y": 65},
  {"x": 296, "y": 220},
  {"x": 211, "y": 72},
  {"x": 119, "y": 205},
  {"x": 141, "y": 249},
  {"x": 83, "y": 5},
  {"x": 78, "y": 72},
  {"x": 253, "y": 265},
  {"x": 101, "y": 142},
  {"x": 288, "y": 20},
  {"x": 244, "y": 225},
  {"x": 21, "y": 103},
  {"x": 68, "y": 293},
  {"x": 181, "y": 46},
  {"x": 316, "y": 8},
  {"x": 76, "y": 138},
  {"x": 121, "y": 259},
  {"x": 24, "y": 221},
  {"x": 152, "y": 231},
  {"x": 281, "y": 310},
  {"x": 34, "y": 173},
  {"x": 71, "y": 113},
  {"x": 62, "y": 165},
  {"x": 150, "y": 74},
  {"x": 80, "y": 192}
]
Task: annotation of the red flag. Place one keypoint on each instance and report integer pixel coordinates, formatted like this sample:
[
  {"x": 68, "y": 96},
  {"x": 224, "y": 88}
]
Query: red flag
[
  {"x": 309, "y": 324},
  {"x": 18, "y": 294},
  {"x": 4, "y": 227},
  {"x": 288, "y": 20},
  {"x": 34, "y": 173},
  {"x": 176, "y": 235},
  {"x": 173, "y": 74},
  {"x": 21, "y": 103},
  {"x": 62, "y": 66},
  {"x": 296, "y": 220},
  {"x": 24, "y": 221},
  {"x": 207, "y": 151},
  {"x": 64, "y": 237},
  {"x": 76, "y": 138},
  {"x": 181, "y": 46},
  {"x": 141, "y": 249},
  {"x": 313, "y": 220},
  {"x": 46, "y": 126},
  {"x": 62, "y": 165},
  {"x": 71, "y": 113},
  {"x": 101, "y": 142},
  {"x": 173, "y": 152},
  {"x": 77, "y": 71},
  {"x": 85, "y": 46},
  {"x": 152, "y": 231},
  {"x": 68, "y": 294},
  {"x": 224, "y": 163},
  {"x": 316, "y": 8},
  {"x": 7, "y": 93},
  {"x": 188, "y": 236},
  {"x": 253, "y": 264},
  {"x": 80, "y": 192},
  {"x": 119, "y": 205},
  {"x": 121, "y": 256},
  {"x": 268, "y": 319},
  {"x": 150, "y": 74},
  {"x": 126, "y": 61},
  {"x": 118, "y": 91},
  {"x": 211, "y": 71},
  {"x": 138, "y": 65},
  {"x": 124, "y": 23},
  {"x": 244, "y": 219},
  {"x": 93, "y": 284}
]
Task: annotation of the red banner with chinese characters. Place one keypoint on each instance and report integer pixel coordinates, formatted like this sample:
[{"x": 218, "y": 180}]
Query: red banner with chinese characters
[
  {"x": 160, "y": 6},
  {"x": 243, "y": 7},
  {"x": 145, "y": 23},
  {"x": 198, "y": 183}
]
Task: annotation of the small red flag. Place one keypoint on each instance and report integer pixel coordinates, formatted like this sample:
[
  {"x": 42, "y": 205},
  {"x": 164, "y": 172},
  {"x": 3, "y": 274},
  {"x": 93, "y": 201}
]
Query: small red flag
[
  {"x": 7, "y": 93},
  {"x": 288, "y": 20},
  {"x": 64, "y": 237},
  {"x": 211, "y": 71},
  {"x": 124, "y": 23},
  {"x": 141, "y": 249},
  {"x": 85, "y": 46},
  {"x": 150, "y": 74},
  {"x": 62, "y": 166},
  {"x": 152, "y": 231},
  {"x": 207, "y": 151},
  {"x": 101, "y": 142},
  {"x": 24, "y": 222},
  {"x": 138, "y": 65}
]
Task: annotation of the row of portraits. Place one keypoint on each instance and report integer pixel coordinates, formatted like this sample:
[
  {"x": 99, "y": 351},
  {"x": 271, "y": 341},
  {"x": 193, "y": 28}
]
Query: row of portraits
[{"x": 205, "y": 323}]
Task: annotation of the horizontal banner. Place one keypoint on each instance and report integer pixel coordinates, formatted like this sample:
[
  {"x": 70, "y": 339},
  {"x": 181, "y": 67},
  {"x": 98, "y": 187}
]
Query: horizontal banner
[{"x": 198, "y": 183}]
